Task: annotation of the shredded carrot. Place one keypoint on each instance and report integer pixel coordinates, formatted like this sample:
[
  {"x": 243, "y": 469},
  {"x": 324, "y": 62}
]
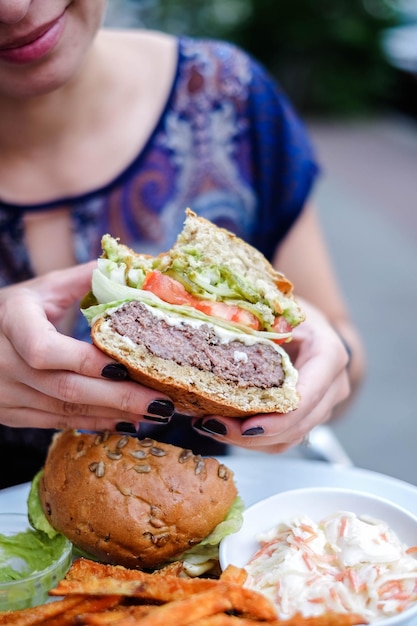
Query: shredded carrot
[
  {"x": 388, "y": 587},
  {"x": 343, "y": 524},
  {"x": 308, "y": 529},
  {"x": 353, "y": 579},
  {"x": 308, "y": 562}
]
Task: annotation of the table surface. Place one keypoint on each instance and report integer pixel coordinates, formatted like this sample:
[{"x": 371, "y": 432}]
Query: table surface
[{"x": 258, "y": 477}]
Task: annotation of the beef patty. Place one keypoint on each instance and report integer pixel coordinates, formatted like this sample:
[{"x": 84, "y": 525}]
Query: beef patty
[{"x": 256, "y": 365}]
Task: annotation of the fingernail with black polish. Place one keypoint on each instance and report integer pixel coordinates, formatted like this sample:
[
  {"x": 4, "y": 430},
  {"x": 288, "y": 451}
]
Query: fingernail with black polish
[
  {"x": 160, "y": 408},
  {"x": 211, "y": 426},
  {"x": 156, "y": 418},
  {"x": 115, "y": 371},
  {"x": 126, "y": 427},
  {"x": 252, "y": 432}
]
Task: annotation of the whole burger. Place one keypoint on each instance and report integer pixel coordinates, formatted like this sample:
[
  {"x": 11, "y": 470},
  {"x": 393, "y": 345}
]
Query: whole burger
[
  {"x": 203, "y": 323},
  {"x": 136, "y": 502}
]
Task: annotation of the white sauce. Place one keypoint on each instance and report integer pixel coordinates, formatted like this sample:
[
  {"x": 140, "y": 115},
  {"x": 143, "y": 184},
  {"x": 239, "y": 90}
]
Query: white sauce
[
  {"x": 345, "y": 563},
  {"x": 240, "y": 357}
]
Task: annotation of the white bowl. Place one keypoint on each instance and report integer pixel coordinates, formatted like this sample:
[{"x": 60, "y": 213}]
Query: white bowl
[{"x": 317, "y": 503}]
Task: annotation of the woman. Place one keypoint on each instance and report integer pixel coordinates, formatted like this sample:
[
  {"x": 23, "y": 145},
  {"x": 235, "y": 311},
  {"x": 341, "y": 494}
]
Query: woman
[{"x": 107, "y": 131}]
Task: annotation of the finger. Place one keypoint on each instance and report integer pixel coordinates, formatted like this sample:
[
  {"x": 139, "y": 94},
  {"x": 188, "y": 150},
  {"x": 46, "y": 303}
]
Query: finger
[
  {"x": 275, "y": 432},
  {"x": 37, "y": 418},
  {"x": 73, "y": 389},
  {"x": 258, "y": 443},
  {"x": 42, "y": 411},
  {"x": 53, "y": 293},
  {"x": 85, "y": 398},
  {"x": 59, "y": 413},
  {"x": 317, "y": 401},
  {"x": 303, "y": 419},
  {"x": 39, "y": 344},
  {"x": 34, "y": 357},
  {"x": 265, "y": 444},
  {"x": 293, "y": 427},
  {"x": 66, "y": 394},
  {"x": 64, "y": 286}
]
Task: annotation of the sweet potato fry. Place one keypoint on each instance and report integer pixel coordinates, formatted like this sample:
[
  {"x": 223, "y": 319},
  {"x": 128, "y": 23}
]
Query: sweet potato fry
[
  {"x": 223, "y": 619},
  {"x": 88, "y": 604},
  {"x": 328, "y": 619},
  {"x": 249, "y": 603},
  {"x": 83, "y": 580},
  {"x": 151, "y": 587},
  {"x": 39, "y": 614},
  {"x": 82, "y": 569},
  {"x": 184, "y": 611},
  {"x": 234, "y": 574},
  {"x": 172, "y": 569},
  {"x": 116, "y": 615}
]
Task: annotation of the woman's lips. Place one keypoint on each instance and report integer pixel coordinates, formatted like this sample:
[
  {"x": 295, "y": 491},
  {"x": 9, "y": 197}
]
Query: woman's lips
[{"x": 33, "y": 49}]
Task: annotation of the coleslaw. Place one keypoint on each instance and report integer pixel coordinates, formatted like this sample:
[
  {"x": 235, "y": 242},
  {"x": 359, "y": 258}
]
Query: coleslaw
[{"x": 345, "y": 563}]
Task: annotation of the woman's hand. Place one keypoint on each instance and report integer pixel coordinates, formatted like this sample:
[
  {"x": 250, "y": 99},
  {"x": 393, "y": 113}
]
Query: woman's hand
[
  {"x": 323, "y": 383},
  {"x": 49, "y": 380}
]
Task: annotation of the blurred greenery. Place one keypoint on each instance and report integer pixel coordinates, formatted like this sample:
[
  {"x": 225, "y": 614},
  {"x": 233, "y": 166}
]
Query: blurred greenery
[{"x": 326, "y": 54}]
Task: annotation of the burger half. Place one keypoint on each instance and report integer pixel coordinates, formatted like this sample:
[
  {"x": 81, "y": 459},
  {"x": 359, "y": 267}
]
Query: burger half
[
  {"x": 203, "y": 323},
  {"x": 135, "y": 502}
]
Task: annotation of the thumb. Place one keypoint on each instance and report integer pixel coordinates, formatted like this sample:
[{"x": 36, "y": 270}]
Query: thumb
[{"x": 65, "y": 286}]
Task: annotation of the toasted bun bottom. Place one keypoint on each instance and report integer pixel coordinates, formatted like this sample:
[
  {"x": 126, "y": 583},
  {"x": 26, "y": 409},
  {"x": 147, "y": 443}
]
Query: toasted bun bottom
[
  {"x": 132, "y": 502},
  {"x": 195, "y": 391}
]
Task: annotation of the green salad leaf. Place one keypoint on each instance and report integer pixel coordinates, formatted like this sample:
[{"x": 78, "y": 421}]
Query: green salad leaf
[
  {"x": 37, "y": 517},
  {"x": 202, "y": 556}
]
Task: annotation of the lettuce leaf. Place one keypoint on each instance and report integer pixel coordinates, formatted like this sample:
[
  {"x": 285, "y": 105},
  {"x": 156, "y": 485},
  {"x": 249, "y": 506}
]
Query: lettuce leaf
[
  {"x": 36, "y": 516},
  {"x": 203, "y": 555},
  {"x": 111, "y": 294}
]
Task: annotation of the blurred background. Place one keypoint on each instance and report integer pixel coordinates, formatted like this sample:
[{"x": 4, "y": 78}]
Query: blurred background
[{"x": 350, "y": 68}]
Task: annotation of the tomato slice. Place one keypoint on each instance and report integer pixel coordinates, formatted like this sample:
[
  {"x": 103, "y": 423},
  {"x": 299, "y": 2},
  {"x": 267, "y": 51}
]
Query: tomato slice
[
  {"x": 173, "y": 292},
  {"x": 229, "y": 312},
  {"x": 281, "y": 326},
  {"x": 166, "y": 288}
]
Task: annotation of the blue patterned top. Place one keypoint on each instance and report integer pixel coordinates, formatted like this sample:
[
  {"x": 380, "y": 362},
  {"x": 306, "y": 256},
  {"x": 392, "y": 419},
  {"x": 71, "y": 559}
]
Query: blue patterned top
[{"x": 228, "y": 145}]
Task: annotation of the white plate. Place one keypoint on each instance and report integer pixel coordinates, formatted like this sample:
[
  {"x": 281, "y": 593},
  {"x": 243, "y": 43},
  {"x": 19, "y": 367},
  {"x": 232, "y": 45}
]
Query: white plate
[{"x": 259, "y": 477}]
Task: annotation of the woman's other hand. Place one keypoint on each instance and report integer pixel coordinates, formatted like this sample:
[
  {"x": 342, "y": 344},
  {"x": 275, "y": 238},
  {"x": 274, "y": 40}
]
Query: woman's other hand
[{"x": 323, "y": 384}]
